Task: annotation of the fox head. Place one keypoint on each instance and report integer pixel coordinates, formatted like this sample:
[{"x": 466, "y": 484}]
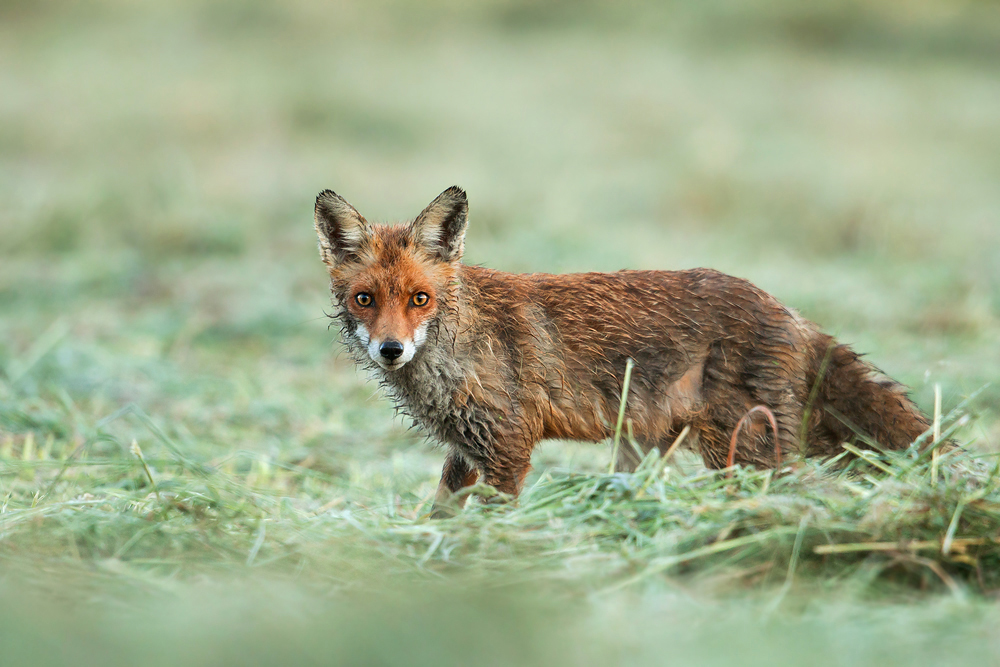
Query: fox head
[{"x": 391, "y": 281}]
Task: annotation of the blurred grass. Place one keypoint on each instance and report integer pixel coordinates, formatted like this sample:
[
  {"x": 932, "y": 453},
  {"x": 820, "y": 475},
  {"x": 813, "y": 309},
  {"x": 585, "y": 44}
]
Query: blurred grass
[{"x": 157, "y": 168}]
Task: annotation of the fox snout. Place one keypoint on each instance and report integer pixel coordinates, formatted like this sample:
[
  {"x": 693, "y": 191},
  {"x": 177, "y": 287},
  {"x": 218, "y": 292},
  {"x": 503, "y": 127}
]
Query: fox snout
[{"x": 389, "y": 352}]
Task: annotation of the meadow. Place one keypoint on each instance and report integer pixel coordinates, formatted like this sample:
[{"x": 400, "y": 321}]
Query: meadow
[{"x": 193, "y": 472}]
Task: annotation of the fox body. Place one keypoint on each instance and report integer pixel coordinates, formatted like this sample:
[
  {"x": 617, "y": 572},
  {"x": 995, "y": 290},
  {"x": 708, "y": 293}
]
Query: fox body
[{"x": 490, "y": 363}]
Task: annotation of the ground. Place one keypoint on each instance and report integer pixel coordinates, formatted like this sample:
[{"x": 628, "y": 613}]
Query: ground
[{"x": 160, "y": 285}]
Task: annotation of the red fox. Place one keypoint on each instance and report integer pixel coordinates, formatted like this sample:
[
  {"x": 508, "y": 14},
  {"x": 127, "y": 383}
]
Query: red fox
[{"x": 490, "y": 363}]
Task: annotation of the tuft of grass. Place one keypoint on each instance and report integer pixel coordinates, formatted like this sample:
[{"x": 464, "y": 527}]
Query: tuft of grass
[{"x": 880, "y": 521}]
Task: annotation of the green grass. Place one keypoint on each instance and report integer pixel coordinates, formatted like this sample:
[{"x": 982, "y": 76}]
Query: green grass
[{"x": 159, "y": 284}]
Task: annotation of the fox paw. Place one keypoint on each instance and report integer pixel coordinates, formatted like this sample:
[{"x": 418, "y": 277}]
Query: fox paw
[{"x": 442, "y": 511}]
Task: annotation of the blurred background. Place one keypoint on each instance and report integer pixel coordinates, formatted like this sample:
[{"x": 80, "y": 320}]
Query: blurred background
[
  {"x": 159, "y": 163},
  {"x": 159, "y": 160}
]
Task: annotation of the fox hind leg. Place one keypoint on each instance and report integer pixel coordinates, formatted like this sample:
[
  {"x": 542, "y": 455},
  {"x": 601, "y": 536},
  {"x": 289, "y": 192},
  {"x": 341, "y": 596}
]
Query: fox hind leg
[{"x": 755, "y": 446}]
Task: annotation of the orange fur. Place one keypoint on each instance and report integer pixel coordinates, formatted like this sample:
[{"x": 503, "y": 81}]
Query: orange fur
[{"x": 490, "y": 363}]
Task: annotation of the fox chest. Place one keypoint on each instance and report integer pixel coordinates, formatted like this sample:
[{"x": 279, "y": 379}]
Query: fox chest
[{"x": 443, "y": 406}]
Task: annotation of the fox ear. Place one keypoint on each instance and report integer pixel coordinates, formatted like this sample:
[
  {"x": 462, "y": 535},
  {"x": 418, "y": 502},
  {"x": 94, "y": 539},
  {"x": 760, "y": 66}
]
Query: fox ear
[
  {"x": 440, "y": 228},
  {"x": 340, "y": 227}
]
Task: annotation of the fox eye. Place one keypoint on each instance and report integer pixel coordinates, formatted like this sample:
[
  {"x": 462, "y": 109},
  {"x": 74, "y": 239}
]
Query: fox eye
[
  {"x": 364, "y": 299},
  {"x": 420, "y": 299}
]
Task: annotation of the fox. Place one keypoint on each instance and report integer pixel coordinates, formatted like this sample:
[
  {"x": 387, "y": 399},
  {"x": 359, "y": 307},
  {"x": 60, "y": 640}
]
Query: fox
[{"x": 490, "y": 363}]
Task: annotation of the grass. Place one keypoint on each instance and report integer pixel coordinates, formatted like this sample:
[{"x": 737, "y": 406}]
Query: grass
[
  {"x": 872, "y": 516},
  {"x": 191, "y": 472}
]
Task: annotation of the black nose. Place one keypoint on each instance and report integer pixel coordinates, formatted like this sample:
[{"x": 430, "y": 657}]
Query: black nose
[{"x": 391, "y": 350}]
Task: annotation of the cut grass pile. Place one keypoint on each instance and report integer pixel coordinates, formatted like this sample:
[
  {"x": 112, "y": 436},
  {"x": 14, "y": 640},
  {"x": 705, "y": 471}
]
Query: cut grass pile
[
  {"x": 907, "y": 519},
  {"x": 113, "y": 552}
]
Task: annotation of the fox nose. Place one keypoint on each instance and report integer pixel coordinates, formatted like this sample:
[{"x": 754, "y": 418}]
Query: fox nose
[{"x": 391, "y": 350}]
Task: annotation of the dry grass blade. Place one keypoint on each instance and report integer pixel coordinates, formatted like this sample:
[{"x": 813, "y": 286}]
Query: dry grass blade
[
  {"x": 730, "y": 460},
  {"x": 937, "y": 433},
  {"x": 621, "y": 414}
]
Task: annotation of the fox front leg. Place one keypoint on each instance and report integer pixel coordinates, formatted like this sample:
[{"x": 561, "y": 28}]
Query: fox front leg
[
  {"x": 508, "y": 475},
  {"x": 457, "y": 474}
]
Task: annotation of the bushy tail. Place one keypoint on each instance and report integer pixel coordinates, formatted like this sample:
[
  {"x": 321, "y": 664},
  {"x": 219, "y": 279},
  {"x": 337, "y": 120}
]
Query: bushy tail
[{"x": 856, "y": 398}]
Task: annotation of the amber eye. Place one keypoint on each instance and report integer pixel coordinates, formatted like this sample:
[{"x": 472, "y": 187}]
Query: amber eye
[
  {"x": 420, "y": 299},
  {"x": 364, "y": 299}
]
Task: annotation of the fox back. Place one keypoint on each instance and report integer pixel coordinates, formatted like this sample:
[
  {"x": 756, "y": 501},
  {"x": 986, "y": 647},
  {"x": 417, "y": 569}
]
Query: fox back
[{"x": 490, "y": 363}]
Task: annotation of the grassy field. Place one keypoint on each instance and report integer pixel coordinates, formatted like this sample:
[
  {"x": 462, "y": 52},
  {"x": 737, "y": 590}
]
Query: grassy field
[{"x": 192, "y": 473}]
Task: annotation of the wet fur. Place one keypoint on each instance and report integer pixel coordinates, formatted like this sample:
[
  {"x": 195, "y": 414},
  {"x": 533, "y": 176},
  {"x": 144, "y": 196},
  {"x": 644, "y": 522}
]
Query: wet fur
[{"x": 512, "y": 359}]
